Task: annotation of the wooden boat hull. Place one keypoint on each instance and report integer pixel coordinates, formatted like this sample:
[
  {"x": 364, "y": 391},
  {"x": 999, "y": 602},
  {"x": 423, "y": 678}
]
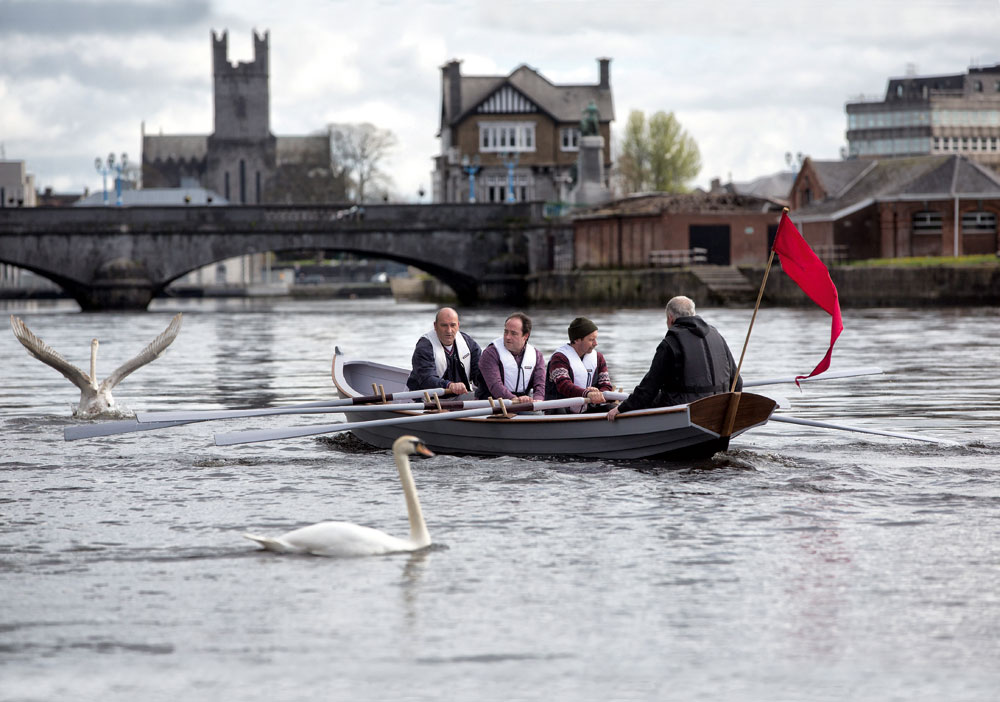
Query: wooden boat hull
[{"x": 698, "y": 429}]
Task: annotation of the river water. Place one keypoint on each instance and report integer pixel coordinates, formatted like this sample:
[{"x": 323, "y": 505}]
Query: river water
[{"x": 802, "y": 564}]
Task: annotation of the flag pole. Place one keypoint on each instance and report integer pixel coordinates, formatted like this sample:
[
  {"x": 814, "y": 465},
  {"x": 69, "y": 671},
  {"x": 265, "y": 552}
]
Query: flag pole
[{"x": 760, "y": 294}]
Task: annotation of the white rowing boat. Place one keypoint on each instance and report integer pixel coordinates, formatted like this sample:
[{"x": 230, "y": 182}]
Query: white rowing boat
[{"x": 698, "y": 429}]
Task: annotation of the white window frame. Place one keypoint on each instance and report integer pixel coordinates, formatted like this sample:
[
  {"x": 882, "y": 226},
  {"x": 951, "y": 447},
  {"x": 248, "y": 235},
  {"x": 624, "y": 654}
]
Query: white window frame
[
  {"x": 569, "y": 138},
  {"x": 499, "y": 137}
]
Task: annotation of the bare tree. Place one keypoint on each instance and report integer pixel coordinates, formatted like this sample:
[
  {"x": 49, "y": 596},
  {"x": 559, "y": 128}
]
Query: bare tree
[{"x": 359, "y": 151}]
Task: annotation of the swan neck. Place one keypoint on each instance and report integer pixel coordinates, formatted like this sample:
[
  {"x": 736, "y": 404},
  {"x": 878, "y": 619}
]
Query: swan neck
[
  {"x": 418, "y": 528},
  {"x": 93, "y": 362}
]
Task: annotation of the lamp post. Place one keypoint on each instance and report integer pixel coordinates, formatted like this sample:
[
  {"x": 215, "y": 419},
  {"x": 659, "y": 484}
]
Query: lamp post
[
  {"x": 108, "y": 167},
  {"x": 510, "y": 161},
  {"x": 471, "y": 168}
]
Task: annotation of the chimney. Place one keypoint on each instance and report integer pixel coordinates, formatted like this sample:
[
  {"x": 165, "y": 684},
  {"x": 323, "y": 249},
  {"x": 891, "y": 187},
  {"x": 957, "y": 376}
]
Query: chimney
[
  {"x": 452, "y": 78},
  {"x": 605, "y": 73}
]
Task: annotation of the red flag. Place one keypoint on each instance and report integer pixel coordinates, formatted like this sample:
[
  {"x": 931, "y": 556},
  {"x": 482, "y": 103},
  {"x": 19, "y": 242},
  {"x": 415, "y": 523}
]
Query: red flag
[{"x": 804, "y": 267}]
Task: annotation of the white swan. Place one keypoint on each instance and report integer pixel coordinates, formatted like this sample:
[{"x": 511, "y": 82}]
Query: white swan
[
  {"x": 94, "y": 399},
  {"x": 341, "y": 539}
]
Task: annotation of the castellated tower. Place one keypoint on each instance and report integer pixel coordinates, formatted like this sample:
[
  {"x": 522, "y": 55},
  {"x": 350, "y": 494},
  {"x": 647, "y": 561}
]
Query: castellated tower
[
  {"x": 242, "y": 101},
  {"x": 241, "y": 160},
  {"x": 242, "y": 152}
]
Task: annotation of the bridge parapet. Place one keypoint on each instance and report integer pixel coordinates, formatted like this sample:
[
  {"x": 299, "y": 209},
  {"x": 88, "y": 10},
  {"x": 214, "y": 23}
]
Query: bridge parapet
[{"x": 120, "y": 258}]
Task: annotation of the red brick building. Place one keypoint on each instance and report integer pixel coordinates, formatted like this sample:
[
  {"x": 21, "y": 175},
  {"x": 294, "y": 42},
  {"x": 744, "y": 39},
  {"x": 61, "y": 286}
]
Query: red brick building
[
  {"x": 733, "y": 229},
  {"x": 899, "y": 207}
]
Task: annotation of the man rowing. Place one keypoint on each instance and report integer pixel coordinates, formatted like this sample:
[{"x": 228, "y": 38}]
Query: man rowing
[
  {"x": 691, "y": 362},
  {"x": 445, "y": 358},
  {"x": 510, "y": 367},
  {"x": 578, "y": 369}
]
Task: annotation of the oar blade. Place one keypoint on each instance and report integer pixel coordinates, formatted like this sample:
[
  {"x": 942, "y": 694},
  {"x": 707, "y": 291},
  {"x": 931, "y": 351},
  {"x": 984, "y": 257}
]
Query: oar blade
[{"x": 124, "y": 426}]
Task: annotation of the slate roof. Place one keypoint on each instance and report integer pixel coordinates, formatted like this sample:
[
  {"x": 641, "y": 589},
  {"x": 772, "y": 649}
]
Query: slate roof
[
  {"x": 682, "y": 203},
  {"x": 887, "y": 180},
  {"x": 776, "y": 186},
  {"x": 564, "y": 103}
]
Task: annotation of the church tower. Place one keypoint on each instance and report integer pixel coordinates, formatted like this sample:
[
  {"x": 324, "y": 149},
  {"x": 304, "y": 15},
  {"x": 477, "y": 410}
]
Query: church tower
[
  {"x": 242, "y": 152},
  {"x": 242, "y": 99}
]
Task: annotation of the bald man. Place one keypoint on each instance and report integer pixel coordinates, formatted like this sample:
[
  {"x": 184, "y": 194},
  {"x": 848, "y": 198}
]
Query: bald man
[
  {"x": 445, "y": 357},
  {"x": 691, "y": 362}
]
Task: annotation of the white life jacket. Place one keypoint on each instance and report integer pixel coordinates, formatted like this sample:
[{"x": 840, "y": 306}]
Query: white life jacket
[
  {"x": 441, "y": 357},
  {"x": 584, "y": 369},
  {"x": 517, "y": 379}
]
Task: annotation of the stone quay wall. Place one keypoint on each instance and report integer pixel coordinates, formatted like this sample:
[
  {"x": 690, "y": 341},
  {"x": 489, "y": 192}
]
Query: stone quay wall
[{"x": 857, "y": 287}]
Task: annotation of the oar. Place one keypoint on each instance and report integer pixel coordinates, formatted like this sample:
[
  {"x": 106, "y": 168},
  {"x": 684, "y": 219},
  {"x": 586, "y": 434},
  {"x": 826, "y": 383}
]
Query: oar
[
  {"x": 826, "y": 375},
  {"x": 255, "y": 435},
  {"x": 307, "y": 408},
  {"x": 827, "y": 425},
  {"x": 123, "y": 426},
  {"x": 156, "y": 420}
]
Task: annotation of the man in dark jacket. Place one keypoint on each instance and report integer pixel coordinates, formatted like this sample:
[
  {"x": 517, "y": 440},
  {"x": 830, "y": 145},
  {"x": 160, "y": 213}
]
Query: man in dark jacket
[
  {"x": 692, "y": 361},
  {"x": 445, "y": 358}
]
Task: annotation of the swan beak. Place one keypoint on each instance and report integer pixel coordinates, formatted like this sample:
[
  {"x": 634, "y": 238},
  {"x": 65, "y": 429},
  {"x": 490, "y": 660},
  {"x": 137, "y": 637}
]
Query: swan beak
[{"x": 423, "y": 450}]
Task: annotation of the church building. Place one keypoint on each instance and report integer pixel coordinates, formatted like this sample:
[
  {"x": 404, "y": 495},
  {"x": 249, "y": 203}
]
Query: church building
[{"x": 241, "y": 160}]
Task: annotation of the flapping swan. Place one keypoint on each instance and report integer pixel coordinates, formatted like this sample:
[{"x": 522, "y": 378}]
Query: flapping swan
[
  {"x": 345, "y": 539},
  {"x": 94, "y": 399}
]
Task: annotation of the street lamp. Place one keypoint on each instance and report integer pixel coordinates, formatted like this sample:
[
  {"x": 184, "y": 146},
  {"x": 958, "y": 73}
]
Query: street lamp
[
  {"x": 108, "y": 167},
  {"x": 510, "y": 161},
  {"x": 471, "y": 168}
]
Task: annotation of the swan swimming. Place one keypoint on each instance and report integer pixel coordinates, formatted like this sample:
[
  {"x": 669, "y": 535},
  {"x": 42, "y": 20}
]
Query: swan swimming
[
  {"x": 94, "y": 399},
  {"x": 340, "y": 539}
]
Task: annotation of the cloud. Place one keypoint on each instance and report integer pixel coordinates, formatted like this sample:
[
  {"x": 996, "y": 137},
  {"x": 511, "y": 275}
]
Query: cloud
[
  {"x": 112, "y": 18},
  {"x": 749, "y": 80}
]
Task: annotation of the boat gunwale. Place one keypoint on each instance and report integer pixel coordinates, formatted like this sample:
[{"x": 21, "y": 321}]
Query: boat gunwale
[{"x": 347, "y": 390}]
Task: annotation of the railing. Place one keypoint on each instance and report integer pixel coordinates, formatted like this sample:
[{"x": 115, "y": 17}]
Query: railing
[
  {"x": 831, "y": 253},
  {"x": 677, "y": 257}
]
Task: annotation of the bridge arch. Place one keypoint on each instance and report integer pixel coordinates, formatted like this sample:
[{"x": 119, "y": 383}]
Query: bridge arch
[{"x": 120, "y": 258}]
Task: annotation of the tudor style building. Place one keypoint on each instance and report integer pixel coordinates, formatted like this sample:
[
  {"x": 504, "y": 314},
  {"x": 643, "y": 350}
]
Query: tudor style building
[{"x": 515, "y": 137}]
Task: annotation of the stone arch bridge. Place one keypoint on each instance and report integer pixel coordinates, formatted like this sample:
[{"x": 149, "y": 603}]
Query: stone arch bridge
[{"x": 122, "y": 257}]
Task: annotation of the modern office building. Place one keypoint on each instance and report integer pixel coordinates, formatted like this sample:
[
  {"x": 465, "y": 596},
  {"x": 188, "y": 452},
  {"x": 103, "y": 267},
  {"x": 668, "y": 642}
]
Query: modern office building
[{"x": 930, "y": 115}]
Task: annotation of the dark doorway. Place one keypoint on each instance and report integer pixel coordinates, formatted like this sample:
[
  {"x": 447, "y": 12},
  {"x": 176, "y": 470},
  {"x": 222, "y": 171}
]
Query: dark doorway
[
  {"x": 772, "y": 233},
  {"x": 714, "y": 239}
]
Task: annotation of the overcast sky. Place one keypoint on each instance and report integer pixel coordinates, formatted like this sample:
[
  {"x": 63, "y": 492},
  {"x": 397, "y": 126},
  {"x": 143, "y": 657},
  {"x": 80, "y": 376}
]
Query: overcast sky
[{"x": 749, "y": 80}]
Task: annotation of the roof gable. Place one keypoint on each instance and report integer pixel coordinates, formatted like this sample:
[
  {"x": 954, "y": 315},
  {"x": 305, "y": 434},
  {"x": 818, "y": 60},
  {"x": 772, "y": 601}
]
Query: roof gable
[
  {"x": 924, "y": 177},
  {"x": 507, "y": 99},
  {"x": 563, "y": 103}
]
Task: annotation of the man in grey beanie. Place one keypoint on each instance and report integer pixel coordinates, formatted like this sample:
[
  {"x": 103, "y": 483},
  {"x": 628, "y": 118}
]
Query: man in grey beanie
[{"x": 577, "y": 369}]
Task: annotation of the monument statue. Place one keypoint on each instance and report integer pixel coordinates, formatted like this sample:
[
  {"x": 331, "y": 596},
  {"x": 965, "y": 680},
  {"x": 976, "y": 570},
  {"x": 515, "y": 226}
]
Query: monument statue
[{"x": 590, "y": 124}]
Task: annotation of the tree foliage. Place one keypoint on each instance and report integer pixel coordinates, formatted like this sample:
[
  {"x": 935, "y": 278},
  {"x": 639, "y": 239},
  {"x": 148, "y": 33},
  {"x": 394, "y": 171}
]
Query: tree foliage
[
  {"x": 359, "y": 152},
  {"x": 657, "y": 155}
]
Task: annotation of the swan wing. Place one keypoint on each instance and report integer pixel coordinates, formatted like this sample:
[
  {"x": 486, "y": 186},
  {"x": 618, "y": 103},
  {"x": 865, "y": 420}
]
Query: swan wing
[
  {"x": 148, "y": 354},
  {"x": 342, "y": 539},
  {"x": 47, "y": 355}
]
